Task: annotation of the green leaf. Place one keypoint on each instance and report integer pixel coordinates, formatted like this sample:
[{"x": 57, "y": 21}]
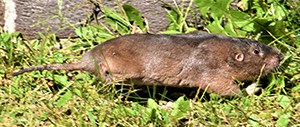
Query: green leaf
[
  {"x": 152, "y": 104},
  {"x": 93, "y": 34},
  {"x": 181, "y": 108},
  {"x": 283, "y": 120},
  {"x": 174, "y": 19},
  {"x": 241, "y": 20},
  {"x": 190, "y": 29},
  {"x": 170, "y": 32},
  {"x": 230, "y": 29},
  {"x": 134, "y": 15},
  {"x": 62, "y": 80},
  {"x": 259, "y": 7},
  {"x": 296, "y": 88},
  {"x": 92, "y": 118},
  {"x": 114, "y": 15},
  {"x": 130, "y": 111},
  {"x": 137, "y": 106},
  {"x": 64, "y": 99},
  {"x": 279, "y": 12},
  {"x": 284, "y": 101},
  {"x": 253, "y": 121},
  {"x": 277, "y": 28},
  {"x": 117, "y": 21},
  {"x": 204, "y": 6},
  {"x": 80, "y": 31},
  {"x": 215, "y": 27},
  {"x": 220, "y": 8},
  {"x": 217, "y": 8},
  {"x": 238, "y": 16},
  {"x": 153, "y": 110},
  {"x": 166, "y": 116},
  {"x": 77, "y": 92},
  {"x": 44, "y": 116},
  {"x": 117, "y": 26},
  {"x": 140, "y": 110}
]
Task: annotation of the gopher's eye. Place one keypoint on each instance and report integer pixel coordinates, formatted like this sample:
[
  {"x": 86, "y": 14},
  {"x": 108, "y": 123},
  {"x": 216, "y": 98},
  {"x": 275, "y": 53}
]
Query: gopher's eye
[{"x": 255, "y": 51}]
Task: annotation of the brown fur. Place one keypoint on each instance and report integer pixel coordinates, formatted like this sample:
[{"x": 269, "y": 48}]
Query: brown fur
[{"x": 208, "y": 61}]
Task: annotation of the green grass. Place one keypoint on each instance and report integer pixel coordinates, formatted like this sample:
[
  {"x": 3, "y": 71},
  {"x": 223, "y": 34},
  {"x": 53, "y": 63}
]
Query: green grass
[{"x": 60, "y": 98}]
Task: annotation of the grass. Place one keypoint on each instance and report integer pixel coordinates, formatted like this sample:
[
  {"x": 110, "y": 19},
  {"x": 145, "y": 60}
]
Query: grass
[{"x": 60, "y": 98}]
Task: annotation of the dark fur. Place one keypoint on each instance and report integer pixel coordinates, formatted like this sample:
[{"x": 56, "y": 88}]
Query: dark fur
[{"x": 208, "y": 61}]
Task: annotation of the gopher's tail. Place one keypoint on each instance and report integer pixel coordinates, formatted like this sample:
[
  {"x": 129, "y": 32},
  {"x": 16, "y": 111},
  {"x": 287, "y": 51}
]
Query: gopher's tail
[{"x": 72, "y": 66}]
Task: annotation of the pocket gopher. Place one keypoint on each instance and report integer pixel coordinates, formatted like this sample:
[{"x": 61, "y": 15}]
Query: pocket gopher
[{"x": 208, "y": 61}]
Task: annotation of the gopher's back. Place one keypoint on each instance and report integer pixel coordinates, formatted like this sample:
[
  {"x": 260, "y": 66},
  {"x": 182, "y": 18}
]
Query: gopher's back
[
  {"x": 143, "y": 58},
  {"x": 156, "y": 59}
]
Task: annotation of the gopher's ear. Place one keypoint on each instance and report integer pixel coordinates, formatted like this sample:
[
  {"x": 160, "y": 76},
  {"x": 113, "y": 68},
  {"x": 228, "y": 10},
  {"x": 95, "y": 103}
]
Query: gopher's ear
[{"x": 239, "y": 57}]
